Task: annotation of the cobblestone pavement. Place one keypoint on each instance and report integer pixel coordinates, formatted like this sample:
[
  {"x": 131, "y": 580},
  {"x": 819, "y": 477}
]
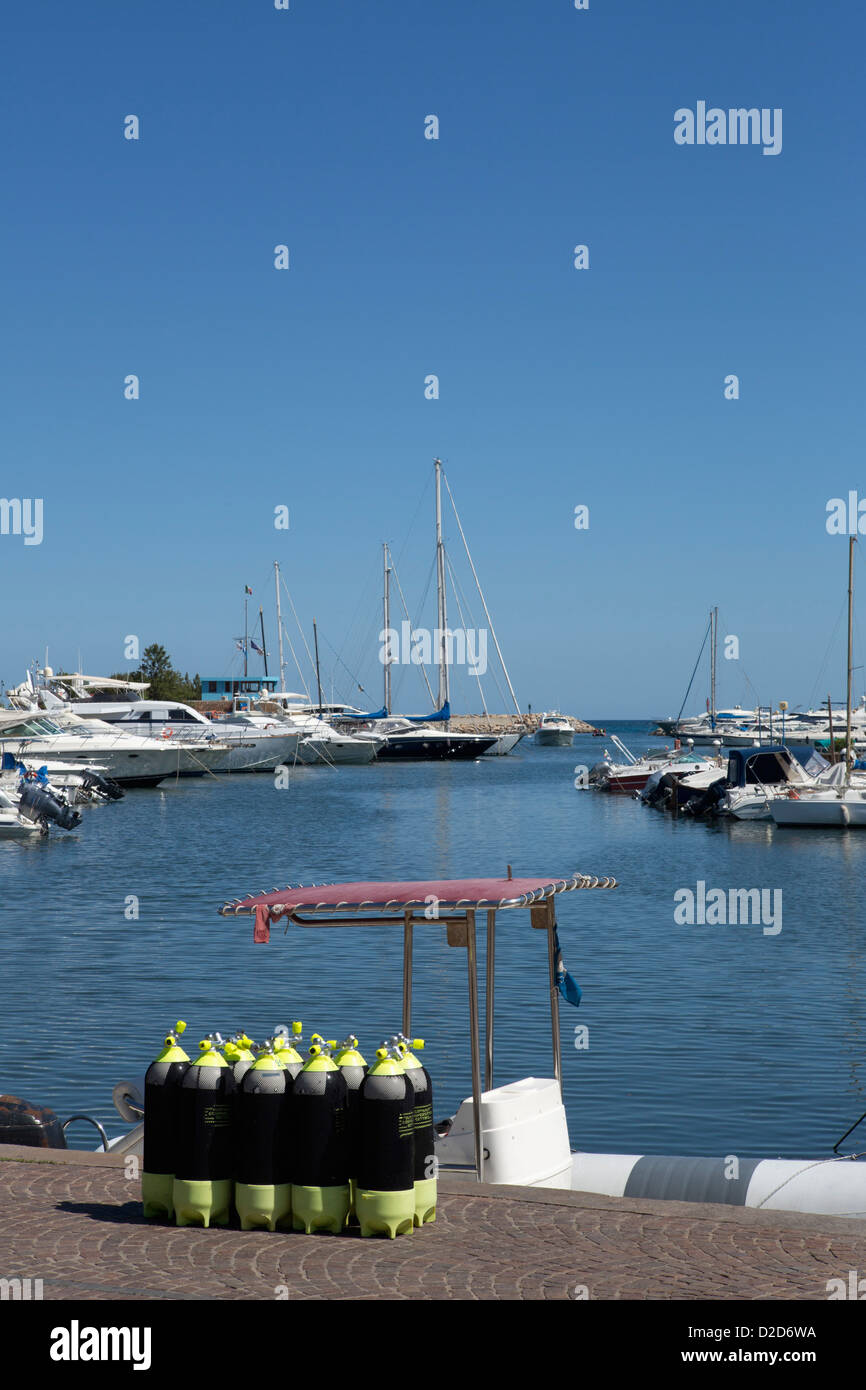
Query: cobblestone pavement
[{"x": 74, "y": 1221}]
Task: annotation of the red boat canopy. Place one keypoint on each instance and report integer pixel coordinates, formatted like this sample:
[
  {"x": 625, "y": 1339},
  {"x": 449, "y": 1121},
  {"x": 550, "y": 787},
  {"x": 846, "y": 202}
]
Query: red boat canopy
[
  {"x": 459, "y": 894},
  {"x": 456, "y": 902}
]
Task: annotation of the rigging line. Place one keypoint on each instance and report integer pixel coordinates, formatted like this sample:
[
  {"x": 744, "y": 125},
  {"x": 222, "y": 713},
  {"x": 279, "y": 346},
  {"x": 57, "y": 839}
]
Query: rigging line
[
  {"x": 363, "y": 600},
  {"x": 424, "y": 491},
  {"x": 493, "y": 673},
  {"x": 349, "y": 673},
  {"x": 300, "y": 630},
  {"x": 742, "y": 670},
  {"x": 694, "y": 672},
  {"x": 474, "y": 673},
  {"x": 409, "y": 620},
  {"x": 830, "y": 644},
  {"x": 481, "y": 595},
  {"x": 297, "y": 664},
  {"x": 458, "y": 592}
]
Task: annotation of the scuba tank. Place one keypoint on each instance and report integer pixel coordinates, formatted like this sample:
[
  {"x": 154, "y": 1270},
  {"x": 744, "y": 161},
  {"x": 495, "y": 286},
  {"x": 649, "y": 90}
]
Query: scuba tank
[
  {"x": 263, "y": 1192},
  {"x": 319, "y": 1144},
  {"x": 239, "y": 1056},
  {"x": 202, "y": 1191},
  {"x": 286, "y": 1045},
  {"x": 354, "y": 1069},
  {"x": 385, "y": 1194},
  {"x": 426, "y": 1165},
  {"x": 161, "y": 1108}
]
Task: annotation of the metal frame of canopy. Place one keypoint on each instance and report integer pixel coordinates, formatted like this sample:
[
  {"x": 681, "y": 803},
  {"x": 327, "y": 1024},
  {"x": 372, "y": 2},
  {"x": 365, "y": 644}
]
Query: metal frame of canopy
[{"x": 457, "y": 902}]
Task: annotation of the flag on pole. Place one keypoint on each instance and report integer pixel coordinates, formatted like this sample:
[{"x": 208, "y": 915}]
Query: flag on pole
[
  {"x": 247, "y": 589},
  {"x": 256, "y": 647}
]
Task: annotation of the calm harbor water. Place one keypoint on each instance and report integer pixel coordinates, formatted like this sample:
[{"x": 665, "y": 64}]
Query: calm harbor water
[{"x": 702, "y": 1039}]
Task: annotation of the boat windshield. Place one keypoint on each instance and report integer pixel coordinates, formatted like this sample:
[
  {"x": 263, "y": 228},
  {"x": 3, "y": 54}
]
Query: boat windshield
[{"x": 30, "y": 728}]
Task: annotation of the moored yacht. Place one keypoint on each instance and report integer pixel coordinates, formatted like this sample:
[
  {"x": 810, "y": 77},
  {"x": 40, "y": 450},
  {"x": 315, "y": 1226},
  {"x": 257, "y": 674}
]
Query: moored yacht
[
  {"x": 554, "y": 730},
  {"x": 241, "y": 742},
  {"x": 35, "y": 736}
]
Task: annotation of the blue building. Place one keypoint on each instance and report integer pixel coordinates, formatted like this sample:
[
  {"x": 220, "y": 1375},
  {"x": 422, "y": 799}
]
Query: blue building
[{"x": 226, "y": 687}]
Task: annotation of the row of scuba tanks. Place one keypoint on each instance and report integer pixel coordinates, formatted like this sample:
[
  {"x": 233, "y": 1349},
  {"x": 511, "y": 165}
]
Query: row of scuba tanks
[{"x": 321, "y": 1144}]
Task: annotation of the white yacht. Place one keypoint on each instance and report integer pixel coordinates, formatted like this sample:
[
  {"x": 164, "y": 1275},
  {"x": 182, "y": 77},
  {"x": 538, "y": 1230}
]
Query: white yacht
[
  {"x": 36, "y": 737},
  {"x": 320, "y": 742},
  {"x": 243, "y": 742},
  {"x": 554, "y": 729}
]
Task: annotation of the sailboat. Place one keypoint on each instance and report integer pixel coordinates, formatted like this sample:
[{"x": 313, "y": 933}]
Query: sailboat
[
  {"x": 426, "y": 739},
  {"x": 843, "y": 805}
]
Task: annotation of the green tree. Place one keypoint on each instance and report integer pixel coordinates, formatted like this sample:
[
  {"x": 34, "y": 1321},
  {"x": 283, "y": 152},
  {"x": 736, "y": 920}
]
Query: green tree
[{"x": 164, "y": 681}]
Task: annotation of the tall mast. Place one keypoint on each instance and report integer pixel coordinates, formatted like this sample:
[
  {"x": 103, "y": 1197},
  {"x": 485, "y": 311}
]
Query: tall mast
[
  {"x": 318, "y": 678},
  {"x": 279, "y": 626},
  {"x": 714, "y": 619},
  {"x": 264, "y": 643},
  {"x": 387, "y": 615},
  {"x": 850, "y": 657},
  {"x": 246, "y": 635},
  {"x": 442, "y": 615}
]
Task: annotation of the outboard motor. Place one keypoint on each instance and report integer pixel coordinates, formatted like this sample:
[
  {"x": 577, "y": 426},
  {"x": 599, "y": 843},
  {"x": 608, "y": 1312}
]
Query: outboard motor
[
  {"x": 39, "y": 805},
  {"x": 706, "y": 803},
  {"x": 34, "y": 1125},
  {"x": 102, "y": 786}
]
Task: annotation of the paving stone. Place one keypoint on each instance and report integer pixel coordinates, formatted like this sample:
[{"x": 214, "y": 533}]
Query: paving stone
[{"x": 76, "y": 1224}]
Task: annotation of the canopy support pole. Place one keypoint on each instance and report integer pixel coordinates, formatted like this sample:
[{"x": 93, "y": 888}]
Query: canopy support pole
[
  {"x": 407, "y": 974},
  {"x": 474, "y": 1041},
  {"x": 554, "y": 992},
  {"x": 488, "y": 1028}
]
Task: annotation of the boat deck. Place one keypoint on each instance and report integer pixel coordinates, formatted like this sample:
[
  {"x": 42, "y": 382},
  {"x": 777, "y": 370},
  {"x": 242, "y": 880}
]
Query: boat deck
[{"x": 73, "y": 1219}]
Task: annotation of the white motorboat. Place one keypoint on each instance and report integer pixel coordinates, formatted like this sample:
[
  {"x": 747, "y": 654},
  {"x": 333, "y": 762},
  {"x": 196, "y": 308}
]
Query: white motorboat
[
  {"x": 554, "y": 730},
  {"x": 319, "y": 741},
  {"x": 630, "y": 776},
  {"x": 838, "y": 806},
  {"x": 244, "y": 741},
  {"x": 663, "y": 786},
  {"x": 12, "y": 822},
  {"x": 129, "y": 760}
]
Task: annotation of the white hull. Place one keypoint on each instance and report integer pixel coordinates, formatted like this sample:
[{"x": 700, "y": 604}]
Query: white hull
[
  {"x": 821, "y": 809},
  {"x": 256, "y": 753},
  {"x": 555, "y": 738},
  {"x": 338, "y": 750},
  {"x": 125, "y": 760},
  {"x": 504, "y": 744}
]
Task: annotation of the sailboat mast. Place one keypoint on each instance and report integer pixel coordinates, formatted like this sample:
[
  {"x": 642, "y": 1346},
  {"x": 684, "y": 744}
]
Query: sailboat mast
[
  {"x": 442, "y": 615},
  {"x": 387, "y": 616},
  {"x": 318, "y": 677},
  {"x": 714, "y": 619},
  {"x": 264, "y": 643},
  {"x": 850, "y": 657},
  {"x": 279, "y": 625},
  {"x": 246, "y": 635}
]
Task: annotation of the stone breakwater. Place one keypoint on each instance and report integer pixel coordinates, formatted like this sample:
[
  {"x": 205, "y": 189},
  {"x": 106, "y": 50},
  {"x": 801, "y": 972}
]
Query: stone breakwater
[
  {"x": 509, "y": 723},
  {"x": 460, "y": 723}
]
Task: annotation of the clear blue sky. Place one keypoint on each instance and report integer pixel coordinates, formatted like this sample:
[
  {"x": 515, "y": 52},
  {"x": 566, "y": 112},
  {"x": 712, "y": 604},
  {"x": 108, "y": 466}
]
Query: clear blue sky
[{"x": 412, "y": 256}]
